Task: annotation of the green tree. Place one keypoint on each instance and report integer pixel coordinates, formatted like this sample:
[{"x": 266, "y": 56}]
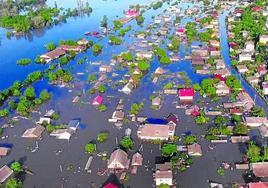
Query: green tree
[
  {"x": 240, "y": 129},
  {"x": 16, "y": 167},
  {"x": 102, "y": 137},
  {"x": 190, "y": 139},
  {"x": 45, "y": 95},
  {"x": 162, "y": 185},
  {"x": 143, "y": 66},
  {"x": 127, "y": 142},
  {"x": 168, "y": 150},
  {"x": 13, "y": 183},
  {"x": 253, "y": 152},
  {"x": 50, "y": 46},
  {"x": 29, "y": 93},
  {"x": 90, "y": 148},
  {"x": 4, "y": 113},
  {"x": 91, "y": 78},
  {"x": 102, "y": 88}
]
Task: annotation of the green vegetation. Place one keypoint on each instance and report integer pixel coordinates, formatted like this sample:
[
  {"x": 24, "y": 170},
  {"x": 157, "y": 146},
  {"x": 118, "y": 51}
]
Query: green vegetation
[
  {"x": 45, "y": 95},
  {"x": 240, "y": 129},
  {"x": 220, "y": 120},
  {"x": 60, "y": 75},
  {"x": 38, "y": 19},
  {"x": 123, "y": 31},
  {"x": 115, "y": 40},
  {"x": 13, "y": 183},
  {"x": 220, "y": 130},
  {"x": 104, "y": 22},
  {"x": 91, "y": 78},
  {"x": 168, "y": 150},
  {"x": 4, "y": 113},
  {"x": 168, "y": 85},
  {"x": 16, "y": 167},
  {"x": 257, "y": 112},
  {"x": 64, "y": 60},
  {"x": 143, "y": 66},
  {"x": 191, "y": 31},
  {"x": 162, "y": 55},
  {"x": 90, "y": 148},
  {"x": 102, "y": 88},
  {"x": 140, "y": 19},
  {"x": 190, "y": 139},
  {"x": 102, "y": 137},
  {"x": 157, "y": 5},
  {"x": 102, "y": 108},
  {"x": 50, "y": 46},
  {"x": 253, "y": 152},
  {"x": 127, "y": 142},
  {"x": 24, "y": 62},
  {"x": 221, "y": 171},
  {"x": 135, "y": 108},
  {"x": 97, "y": 48},
  {"x": 50, "y": 128},
  {"x": 201, "y": 119},
  {"x": 127, "y": 56},
  {"x": 175, "y": 44},
  {"x": 162, "y": 185},
  {"x": 117, "y": 25},
  {"x": 233, "y": 83},
  {"x": 205, "y": 36}
]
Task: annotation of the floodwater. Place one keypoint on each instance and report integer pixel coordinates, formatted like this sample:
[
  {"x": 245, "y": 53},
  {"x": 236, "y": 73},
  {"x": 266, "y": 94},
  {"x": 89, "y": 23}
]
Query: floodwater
[{"x": 45, "y": 163}]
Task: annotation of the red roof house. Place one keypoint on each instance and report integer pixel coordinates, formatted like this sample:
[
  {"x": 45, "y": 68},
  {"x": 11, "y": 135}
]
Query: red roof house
[
  {"x": 256, "y": 8},
  {"x": 258, "y": 185},
  {"x": 186, "y": 94},
  {"x": 110, "y": 185},
  {"x": 98, "y": 100},
  {"x": 131, "y": 13}
]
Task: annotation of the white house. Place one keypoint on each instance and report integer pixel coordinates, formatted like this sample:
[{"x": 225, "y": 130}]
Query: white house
[
  {"x": 265, "y": 88},
  {"x": 127, "y": 89},
  {"x": 245, "y": 57},
  {"x": 163, "y": 174}
]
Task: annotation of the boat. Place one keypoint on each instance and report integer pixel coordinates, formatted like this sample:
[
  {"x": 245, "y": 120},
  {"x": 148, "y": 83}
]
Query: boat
[{"x": 88, "y": 33}]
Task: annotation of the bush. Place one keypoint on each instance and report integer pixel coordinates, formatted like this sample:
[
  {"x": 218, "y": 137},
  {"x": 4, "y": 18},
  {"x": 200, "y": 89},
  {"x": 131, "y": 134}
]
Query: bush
[
  {"x": 102, "y": 137},
  {"x": 168, "y": 150},
  {"x": 16, "y": 167},
  {"x": 102, "y": 108},
  {"x": 4, "y": 113},
  {"x": 13, "y": 183},
  {"x": 24, "y": 62},
  {"x": 190, "y": 139},
  {"x": 127, "y": 142},
  {"x": 50, "y": 46},
  {"x": 45, "y": 95},
  {"x": 90, "y": 148}
]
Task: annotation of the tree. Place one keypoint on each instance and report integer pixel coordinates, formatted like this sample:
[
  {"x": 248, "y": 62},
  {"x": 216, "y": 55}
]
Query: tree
[
  {"x": 205, "y": 36},
  {"x": 127, "y": 142},
  {"x": 102, "y": 88},
  {"x": 24, "y": 62},
  {"x": 102, "y": 108},
  {"x": 143, "y": 66},
  {"x": 162, "y": 185},
  {"x": 45, "y": 95},
  {"x": 104, "y": 21},
  {"x": 90, "y": 148},
  {"x": 50, "y": 46},
  {"x": 64, "y": 60},
  {"x": 91, "y": 78},
  {"x": 253, "y": 152},
  {"x": 97, "y": 48},
  {"x": 140, "y": 19},
  {"x": 16, "y": 167},
  {"x": 190, "y": 139},
  {"x": 220, "y": 120},
  {"x": 4, "y": 113},
  {"x": 13, "y": 183},
  {"x": 236, "y": 118},
  {"x": 29, "y": 93},
  {"x": 240, "y": 129},
  {"x": 265, "y": 154},
  {"x": 102, "y": 137},
  {"x": 257, "y": 112},
  {"x": 168, "y": 150}
]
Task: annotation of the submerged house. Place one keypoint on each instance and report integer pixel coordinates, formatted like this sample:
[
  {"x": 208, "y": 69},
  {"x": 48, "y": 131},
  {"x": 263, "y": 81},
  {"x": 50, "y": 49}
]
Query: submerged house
[
  {"x": 97, "y": 100},
  {"x": 62, "y": 134},
  {"x": 260, "y": 169},
  {"x": 54, "y": 54},
  {"x": 194, "y": 150},
  {"x": 255, "y": 121},
  {"x": 4, "y": 151},
  {"x": 163, "y": 174},
  {"x": 5, "y": 173},
  {"x": 127, "y": 89},
  {"x": 136, "y": 161},
  {"x": 151, "y": 131},
  {"x": 35, "y": 132},
  {"x": 186, "y": 94},
  {"x": 118, "y": 161},
  {"x": 73, "y": 124}
]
